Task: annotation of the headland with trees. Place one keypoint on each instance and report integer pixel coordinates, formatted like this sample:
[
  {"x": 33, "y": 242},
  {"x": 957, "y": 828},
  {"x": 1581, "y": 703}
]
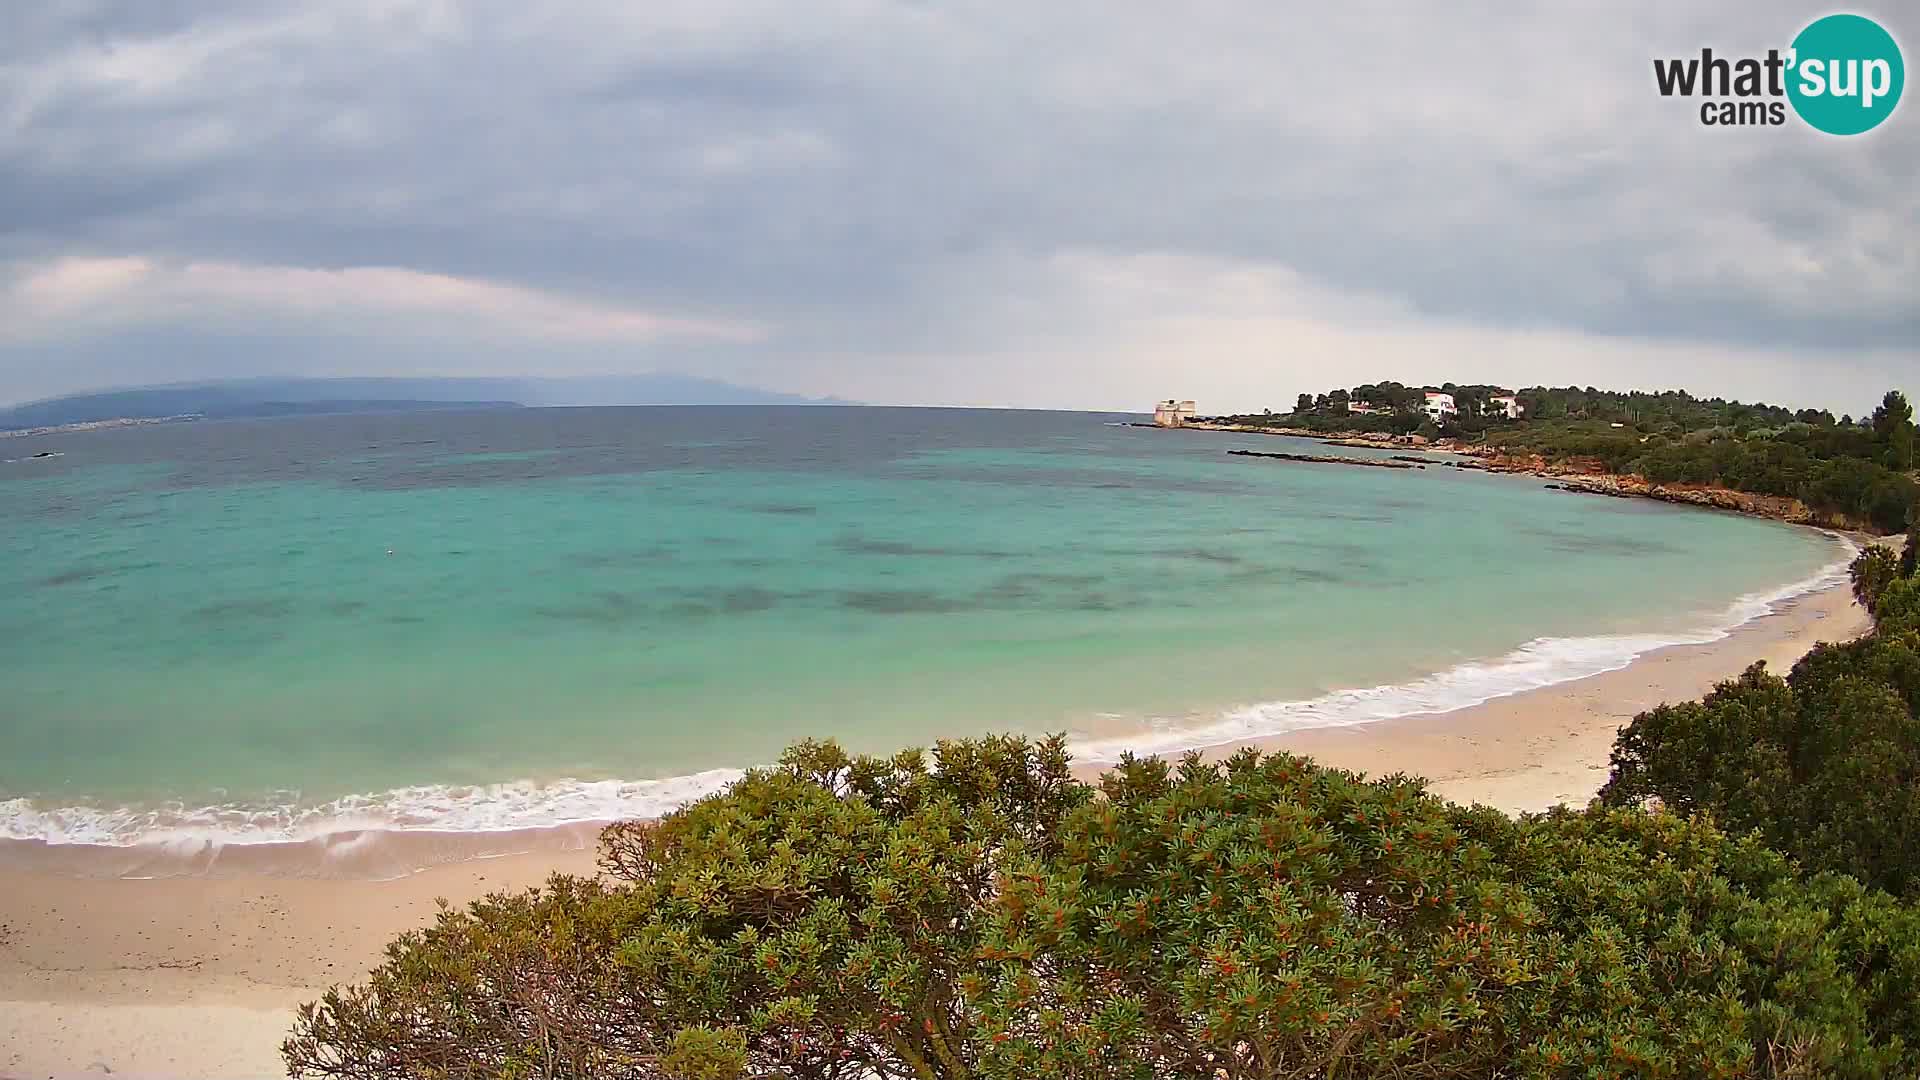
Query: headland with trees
[{"x": 1848, "y": 471}]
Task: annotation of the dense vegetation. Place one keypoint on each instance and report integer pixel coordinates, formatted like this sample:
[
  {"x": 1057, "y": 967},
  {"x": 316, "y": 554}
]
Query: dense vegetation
[
  {"x": 1825, "y": 763},
  {"x": 1854, "y": 474}
]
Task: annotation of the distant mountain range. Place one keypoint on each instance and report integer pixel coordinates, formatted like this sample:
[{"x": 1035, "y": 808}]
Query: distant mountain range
[{"x": 231, "y": 398}]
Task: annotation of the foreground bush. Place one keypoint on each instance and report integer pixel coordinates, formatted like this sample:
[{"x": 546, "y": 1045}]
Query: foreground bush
[
  {"x": 980, "y": 913},
  {"x": 814, "y": 921},
  {"x": 1272, "y": 918},
  {"x": 1825, "y": 764}
]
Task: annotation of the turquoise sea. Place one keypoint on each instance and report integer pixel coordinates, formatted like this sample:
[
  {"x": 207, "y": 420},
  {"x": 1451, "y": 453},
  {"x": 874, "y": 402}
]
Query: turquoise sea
[{"x": 250, "y": 631}]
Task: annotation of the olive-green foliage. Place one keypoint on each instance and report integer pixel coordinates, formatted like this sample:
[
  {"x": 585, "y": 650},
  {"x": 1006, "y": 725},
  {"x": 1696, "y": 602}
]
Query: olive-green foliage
[
  {"x": 1893, "y": 422},
  {"x": 1264, "y": 918},
  {"x": 515, "y": 985},
  {"x": 1269, "y": 918},
  {"x": 1825, "y": 763},
  {"x": 1692, "y": 953},
  {"x": 984, "y": 915},
  {"x": 1838, "y": 472},
  {"x": 1848, "y": 474},
  {"x": 1872, "y": 571},
  {"x": 814, "y": 921}
]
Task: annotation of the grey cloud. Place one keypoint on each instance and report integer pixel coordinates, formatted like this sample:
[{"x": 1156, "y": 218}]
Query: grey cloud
[{"x": 846, "y": 171}]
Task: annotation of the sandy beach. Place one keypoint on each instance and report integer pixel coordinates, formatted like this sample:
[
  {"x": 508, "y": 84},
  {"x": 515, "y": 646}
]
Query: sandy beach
[{"x": 197, "y": 977}]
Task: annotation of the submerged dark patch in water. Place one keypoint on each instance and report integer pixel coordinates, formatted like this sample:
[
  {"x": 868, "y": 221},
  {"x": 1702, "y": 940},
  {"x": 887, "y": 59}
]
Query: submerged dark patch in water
[
  {"x": 747, "y": 598},
  {"x": 1072, "y": 477},
  {"x": 1207, "y": 555},
  {"x": 346, "y": 607},
  {"x": 77, "y": 575},
  {"x": 1042, "y": 577},
  {"x": 1039, "y": 579},
  {"x": 899, "y": 602},
  {"x": 743, "y": 600},
  {"x": 860, "y": 545},
  {"x": 1038, "y": 589},
  {"x": 259, "y": 608},
  {"x": 1581, "y": 543},
  {"x": 605, "y": 609},
  {"x": 609, "y": 560},
  {"x": 1354, "y": 515},
  {"x": 788, "y": 509},
  {"x": 1008, "y": 592},
  {"x": 1295, "y": 574},
  {"x": 1196, "y": 554}
]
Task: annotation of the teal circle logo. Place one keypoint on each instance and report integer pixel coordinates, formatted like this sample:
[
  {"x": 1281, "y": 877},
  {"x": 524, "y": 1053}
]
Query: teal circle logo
[{"x": 1845, "y": 74}]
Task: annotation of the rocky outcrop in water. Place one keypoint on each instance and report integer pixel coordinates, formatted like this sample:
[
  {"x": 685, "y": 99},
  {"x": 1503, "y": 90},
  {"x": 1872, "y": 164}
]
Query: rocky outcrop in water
[
  {"x": 1319, "y": 459},
  {"x": 1579, "y": 476},
  {"x": 1776, "y": 507}
]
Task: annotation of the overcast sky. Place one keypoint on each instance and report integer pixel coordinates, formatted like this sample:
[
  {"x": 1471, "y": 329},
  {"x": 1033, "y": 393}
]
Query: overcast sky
[{"x": 1071, "y": 203}]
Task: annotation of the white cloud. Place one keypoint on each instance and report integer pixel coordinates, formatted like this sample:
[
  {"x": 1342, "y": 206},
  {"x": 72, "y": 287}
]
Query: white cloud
[
  {"x": 760, "y": 152},
  {"x": 55, "y": 289},
  {"x": 76, "y": 296}
]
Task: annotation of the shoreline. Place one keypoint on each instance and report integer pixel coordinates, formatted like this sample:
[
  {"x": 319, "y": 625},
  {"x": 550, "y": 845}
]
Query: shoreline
[
  {"x": 1570, "y": 476},
  {"x": 351, "y": 840},
  {"x": 1529, "y": 751},
  {"x": 199, "y": 976}
]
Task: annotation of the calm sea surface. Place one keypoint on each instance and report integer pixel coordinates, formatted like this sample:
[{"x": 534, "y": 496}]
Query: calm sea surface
[{"x": 482, "y": 620}]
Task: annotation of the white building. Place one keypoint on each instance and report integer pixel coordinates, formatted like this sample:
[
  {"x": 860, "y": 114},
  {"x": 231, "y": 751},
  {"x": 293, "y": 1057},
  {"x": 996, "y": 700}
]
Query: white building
[
  {"x": 1439, "y": 406},
  {"x": 1507, "y": 404},
  {"x": 1367, "y": 408},
  {"x": 1171, "y": 413}
]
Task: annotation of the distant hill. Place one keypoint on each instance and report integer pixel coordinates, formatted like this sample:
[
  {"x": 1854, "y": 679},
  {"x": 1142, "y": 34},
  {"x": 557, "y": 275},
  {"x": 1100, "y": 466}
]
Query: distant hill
[{"x": 233, "y": 398}]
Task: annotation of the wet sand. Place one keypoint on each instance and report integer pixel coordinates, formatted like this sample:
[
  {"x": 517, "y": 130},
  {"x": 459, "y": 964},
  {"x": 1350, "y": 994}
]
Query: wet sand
[{"x": 199, "y": 977}]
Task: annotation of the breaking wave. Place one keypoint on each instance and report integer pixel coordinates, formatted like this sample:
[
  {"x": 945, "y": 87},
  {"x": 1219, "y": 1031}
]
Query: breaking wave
[
  {"x": 1539, "y": 663},
  {"x": 506, "y": 807}
]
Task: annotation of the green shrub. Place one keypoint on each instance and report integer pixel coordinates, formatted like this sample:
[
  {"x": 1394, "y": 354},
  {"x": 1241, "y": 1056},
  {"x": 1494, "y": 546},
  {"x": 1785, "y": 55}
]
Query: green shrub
[
  {"x": 981, "y": 914},
  {"x": 1825, "y": 764},
  {"x": 1272, "y": 918}
]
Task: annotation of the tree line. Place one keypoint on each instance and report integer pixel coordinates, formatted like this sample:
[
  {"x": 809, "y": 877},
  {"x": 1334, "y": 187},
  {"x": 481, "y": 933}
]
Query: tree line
[{"x": 1850, "y": 473}]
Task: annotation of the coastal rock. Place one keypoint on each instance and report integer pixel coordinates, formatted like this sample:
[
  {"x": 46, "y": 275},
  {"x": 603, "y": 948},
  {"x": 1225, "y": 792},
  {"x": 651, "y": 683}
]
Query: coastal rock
[
  {"x": 1319, "y": 459},
  {"x": 1583, "y": 476},
  {"x": 1779, "y": 508}
]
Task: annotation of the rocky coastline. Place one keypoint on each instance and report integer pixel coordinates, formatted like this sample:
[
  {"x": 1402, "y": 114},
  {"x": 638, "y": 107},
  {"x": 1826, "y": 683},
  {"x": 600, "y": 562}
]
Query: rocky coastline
[
  {"x": 1325, "y": 459},
  {"x": 1571, "y": 476}
]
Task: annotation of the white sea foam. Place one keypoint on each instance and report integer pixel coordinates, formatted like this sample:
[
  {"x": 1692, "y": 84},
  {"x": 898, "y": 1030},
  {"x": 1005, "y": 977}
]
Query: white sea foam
[
  {"x": 1539, "y": 663},
  {"x": 435, "y": 808},
  {"x": 186, "y": 831}
]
